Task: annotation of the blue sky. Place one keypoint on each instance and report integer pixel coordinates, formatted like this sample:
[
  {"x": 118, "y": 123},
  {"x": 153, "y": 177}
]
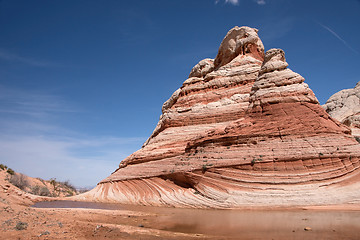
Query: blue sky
[{"x": 82, "y": 82}]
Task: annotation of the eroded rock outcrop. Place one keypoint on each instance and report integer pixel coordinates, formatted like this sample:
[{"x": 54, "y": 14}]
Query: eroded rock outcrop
[
  {"x": 243, "y": 130},
  {"x": 344, "y": 106}
]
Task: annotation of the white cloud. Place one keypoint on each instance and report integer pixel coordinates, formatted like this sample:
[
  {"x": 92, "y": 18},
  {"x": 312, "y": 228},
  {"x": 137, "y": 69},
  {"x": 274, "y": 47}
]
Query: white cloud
[
  {"x": 260, "y": 2},
  {"x": 234, "y": 2}
]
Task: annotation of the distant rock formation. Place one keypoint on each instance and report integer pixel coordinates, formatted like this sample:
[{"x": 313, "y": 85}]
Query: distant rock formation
[
  {"x": 242, "y": 130},
  {"x": 344, "y": 106}
]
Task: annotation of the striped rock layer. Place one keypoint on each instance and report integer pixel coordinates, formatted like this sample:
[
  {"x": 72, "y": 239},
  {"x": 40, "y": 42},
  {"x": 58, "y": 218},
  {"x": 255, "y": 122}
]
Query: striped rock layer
[{"x": 242, "y": 130}]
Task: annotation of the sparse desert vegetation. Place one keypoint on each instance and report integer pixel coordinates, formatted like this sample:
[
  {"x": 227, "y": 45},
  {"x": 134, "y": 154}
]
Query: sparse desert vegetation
[
  {"x": 41, "y": 187},
  {"x": 41, "y": 191},
  {"x": 3, "y": 167},
  {"x": 19, "y": 180},
  {"x": 10, "y": 171}
]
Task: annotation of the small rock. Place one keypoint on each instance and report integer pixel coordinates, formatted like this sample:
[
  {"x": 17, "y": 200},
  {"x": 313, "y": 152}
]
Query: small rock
[
  {"x": 307, "y": 229},
  {"x": 44, "y": 233},
  {"x": 140, "y": 225},
  {"x": 98, "y": 227}
]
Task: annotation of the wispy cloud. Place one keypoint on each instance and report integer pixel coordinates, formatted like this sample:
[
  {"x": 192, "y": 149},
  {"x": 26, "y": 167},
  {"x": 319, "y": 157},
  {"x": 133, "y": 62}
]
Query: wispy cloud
[
  {"x": 34, "y": 141},
  {"x": 337, "y": 36},
  {"x": 32, "y": 104},
  {"x": 236, "y": 2},
  {"x": 260, "y": 2},
  {"x": 233, "y": 2},
  {"x": 11, "y": 57},
  {"x": 83, "y": 160}
]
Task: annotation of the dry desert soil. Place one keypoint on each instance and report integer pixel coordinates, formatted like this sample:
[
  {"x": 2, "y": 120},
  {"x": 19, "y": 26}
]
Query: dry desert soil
[{"x": 25, "y": 216}]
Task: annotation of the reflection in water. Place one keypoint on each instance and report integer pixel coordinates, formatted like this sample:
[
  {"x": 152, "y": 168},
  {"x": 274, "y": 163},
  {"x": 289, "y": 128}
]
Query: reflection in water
[{"x": 244, "y": 224}]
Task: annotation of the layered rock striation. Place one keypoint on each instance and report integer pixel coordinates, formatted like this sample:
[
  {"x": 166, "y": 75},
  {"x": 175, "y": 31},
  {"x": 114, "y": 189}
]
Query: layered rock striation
[
  {"x": 242, "y": 130},
  {"x": 344, "y": 106}
]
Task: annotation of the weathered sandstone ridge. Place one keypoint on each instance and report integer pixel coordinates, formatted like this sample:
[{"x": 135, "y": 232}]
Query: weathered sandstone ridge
[
  {"x": 344, "y": 106},
  {"x": 242, "y": 130}
]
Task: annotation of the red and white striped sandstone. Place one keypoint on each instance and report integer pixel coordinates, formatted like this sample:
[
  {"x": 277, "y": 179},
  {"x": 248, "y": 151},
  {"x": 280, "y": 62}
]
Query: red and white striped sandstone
[{"x": 243, "y": 130}]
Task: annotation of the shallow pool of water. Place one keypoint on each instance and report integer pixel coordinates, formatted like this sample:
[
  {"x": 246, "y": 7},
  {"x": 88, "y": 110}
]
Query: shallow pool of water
[{"x": 241, "y": 224}]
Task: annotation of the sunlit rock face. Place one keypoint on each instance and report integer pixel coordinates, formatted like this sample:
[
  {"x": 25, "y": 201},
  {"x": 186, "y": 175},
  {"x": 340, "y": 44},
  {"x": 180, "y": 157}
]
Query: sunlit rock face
[
  {"x": 242, "y": 130},
  {"x": 344, "y": 106}
]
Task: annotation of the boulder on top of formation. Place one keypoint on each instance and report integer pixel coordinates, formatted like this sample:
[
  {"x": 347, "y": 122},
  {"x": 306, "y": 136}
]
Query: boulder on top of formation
[
  {"x": 242, "y": 130},
  {"x": 344, "y": 106},
  {"x": 239, "y": 41}
]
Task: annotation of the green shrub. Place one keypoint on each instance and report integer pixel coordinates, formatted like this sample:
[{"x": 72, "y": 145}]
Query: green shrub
[
  {"x": 10, "y": 171},
  {"x": 3, "y": 167},
  {"x": 256, "y": 160}
]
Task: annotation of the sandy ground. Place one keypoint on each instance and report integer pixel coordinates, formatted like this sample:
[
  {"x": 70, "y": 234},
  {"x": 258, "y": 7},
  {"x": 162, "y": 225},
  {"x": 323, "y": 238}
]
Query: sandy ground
[
  {"x": 20, "y": 221},
  {"x": 81, "y": 224}
]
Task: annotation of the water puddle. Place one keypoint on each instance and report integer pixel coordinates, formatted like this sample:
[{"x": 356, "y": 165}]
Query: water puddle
[{"x": 241, "y": 224}]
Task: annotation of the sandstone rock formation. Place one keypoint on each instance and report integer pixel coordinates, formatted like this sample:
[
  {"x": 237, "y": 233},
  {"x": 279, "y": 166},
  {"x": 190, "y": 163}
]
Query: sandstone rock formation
[
  {"x": 242, "y": 130},
  {"x": 344, "y": 106}
]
